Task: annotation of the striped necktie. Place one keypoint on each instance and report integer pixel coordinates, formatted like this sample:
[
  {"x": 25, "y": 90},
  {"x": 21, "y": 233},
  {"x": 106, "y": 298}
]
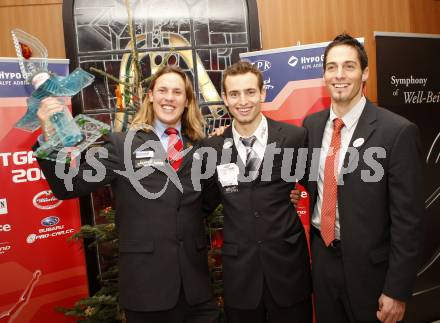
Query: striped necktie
[
  {"x": 175, "y": 147},
  {"x": 252, "y": 159}
]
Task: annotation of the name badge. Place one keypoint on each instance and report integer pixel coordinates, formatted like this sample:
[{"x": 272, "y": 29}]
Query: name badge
[
  {"x": 138, "y": 163},
  {"x": 228, "y": 174},
  {"x": 144, "y": 154}
]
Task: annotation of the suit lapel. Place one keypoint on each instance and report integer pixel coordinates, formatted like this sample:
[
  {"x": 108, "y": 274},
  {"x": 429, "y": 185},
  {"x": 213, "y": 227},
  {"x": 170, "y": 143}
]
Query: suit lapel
[
  {"x": 318, "y": 130},
  {"x": 274, "y": 136},
  {"x": 316, "y": 133},
  {"x": 231, "y": 148},
  {"x": 141, "y": 137},
  {"x": 363, "y": 131},
  {"x": 187, "y": 145}
]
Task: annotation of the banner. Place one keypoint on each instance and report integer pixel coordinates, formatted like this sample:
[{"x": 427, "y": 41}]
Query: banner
[
  {"x": 408, "y": 81},
  {"x": 39, "y": 269},
  {"x": 295, "y": 89}
]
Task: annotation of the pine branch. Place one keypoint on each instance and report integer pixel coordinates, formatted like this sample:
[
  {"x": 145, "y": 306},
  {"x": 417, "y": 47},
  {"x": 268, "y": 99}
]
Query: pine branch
[{"x": 111, "y": 77}]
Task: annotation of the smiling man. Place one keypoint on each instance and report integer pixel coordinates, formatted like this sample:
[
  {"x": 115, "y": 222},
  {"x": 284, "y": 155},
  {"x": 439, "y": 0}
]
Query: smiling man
[
  {"x": 266, "y": 270},
  {"x": 163, "y": 269},
  {"x": 366, "y": 234}
]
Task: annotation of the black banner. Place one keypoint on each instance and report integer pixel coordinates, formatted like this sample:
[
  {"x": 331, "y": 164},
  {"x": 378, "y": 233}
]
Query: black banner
[{"x": 408, "y": 82}]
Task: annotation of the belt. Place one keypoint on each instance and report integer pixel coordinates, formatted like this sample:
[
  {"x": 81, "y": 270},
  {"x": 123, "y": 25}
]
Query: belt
[{"x": 335, "y": 244}]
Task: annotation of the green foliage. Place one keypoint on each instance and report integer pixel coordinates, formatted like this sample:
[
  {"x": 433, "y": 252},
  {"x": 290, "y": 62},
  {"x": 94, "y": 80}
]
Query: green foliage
[{"x": 103, "y": 306}]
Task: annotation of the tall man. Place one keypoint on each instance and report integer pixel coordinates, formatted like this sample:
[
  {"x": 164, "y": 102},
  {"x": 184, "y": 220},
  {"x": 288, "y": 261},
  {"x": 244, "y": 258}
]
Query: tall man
[
  {"x": 366, "y": 220},
  {"x": 163, "y": 270},
  {"x": 266, "y": 271}
]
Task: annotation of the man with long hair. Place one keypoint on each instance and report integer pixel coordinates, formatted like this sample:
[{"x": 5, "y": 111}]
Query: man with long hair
[{"x": 163, "y": 270}]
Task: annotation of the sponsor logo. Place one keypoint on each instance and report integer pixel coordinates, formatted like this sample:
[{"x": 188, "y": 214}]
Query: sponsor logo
[
  {"x": 3, "y": 206},
  {"x": 301, "y": 211},
  {"x": 293, "y": 60},
  {"x": 267, "y": 85},
  {"x": 31, "y": 238},
  {"x": 10, "y": 75},
  {"x": 51, "y": 230},
  {"x": 50, "y": 221},
  {"x": 4, "y": 247},
  {"x": 306, "y": 62},
  {"x": 5, "y": 227},
  {"x": 262, "y": 65},
  {"x": 45, "y": 200}
]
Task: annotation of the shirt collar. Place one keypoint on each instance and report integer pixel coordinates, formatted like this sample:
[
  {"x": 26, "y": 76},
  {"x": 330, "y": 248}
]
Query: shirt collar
[
  {"x": 352, "y": 117},
  {"x": 160, "y": 128},
  {"x": 260, "y": 133}
]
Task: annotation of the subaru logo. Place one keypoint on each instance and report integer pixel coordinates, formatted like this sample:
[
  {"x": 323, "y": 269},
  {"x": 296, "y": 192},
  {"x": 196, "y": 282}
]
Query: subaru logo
[
  {"x": 293, "y": 61},
  {"x": 50, "y": 221}
]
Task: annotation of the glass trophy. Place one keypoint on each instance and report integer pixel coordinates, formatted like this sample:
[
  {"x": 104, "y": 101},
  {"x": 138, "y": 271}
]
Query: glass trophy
[{"x": 71, "y": 135}]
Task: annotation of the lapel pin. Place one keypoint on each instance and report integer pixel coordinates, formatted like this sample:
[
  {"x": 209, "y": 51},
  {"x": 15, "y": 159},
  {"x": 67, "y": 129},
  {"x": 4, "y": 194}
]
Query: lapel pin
[
  {"x": 227, "y": 144},
  {"x": 358, "y": 142}
]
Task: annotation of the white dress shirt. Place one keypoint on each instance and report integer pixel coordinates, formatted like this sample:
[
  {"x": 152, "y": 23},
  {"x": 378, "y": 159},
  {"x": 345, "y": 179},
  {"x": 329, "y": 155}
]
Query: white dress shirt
[
  {"x": 260, "y": 144},
  {"x": 350, "y": 121}
]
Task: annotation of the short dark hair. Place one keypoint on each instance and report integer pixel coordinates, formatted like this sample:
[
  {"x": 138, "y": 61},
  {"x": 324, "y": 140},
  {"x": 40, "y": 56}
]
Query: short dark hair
[
  {"x": 346, "y": 39},
  {"x": 239, "y": 68}
]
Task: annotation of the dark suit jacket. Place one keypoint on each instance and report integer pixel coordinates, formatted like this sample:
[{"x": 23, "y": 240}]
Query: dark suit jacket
[
  {"x": 263, "y": 235},
  {"x": 162, "y": 242},
  {"x": 380, "y": 220}
]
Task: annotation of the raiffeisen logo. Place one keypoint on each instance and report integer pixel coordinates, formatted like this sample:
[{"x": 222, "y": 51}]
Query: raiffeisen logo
[
  {"x": 293, "y": 61},
  {"x": 45, "y": 200},
  {"x": 262, "y": 65}
]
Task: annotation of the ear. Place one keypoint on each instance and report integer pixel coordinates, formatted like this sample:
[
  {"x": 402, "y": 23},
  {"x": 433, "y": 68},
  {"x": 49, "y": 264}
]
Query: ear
[
  {"x": 263, "y": 95},
  {"x": 150, "y": 96},
  {"x": 224, "y": 97},
  {"x": 365, "y": 74}
]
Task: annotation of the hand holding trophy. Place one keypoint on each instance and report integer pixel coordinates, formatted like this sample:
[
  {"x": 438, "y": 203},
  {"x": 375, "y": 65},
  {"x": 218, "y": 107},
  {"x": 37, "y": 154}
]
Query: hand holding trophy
[{"x": 61, "y": 129}]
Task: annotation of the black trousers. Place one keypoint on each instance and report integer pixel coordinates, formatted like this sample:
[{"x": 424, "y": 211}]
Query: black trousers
[
  {"x": 268, "y": 311},
  {"x": 332, "y": 304},
  {"x": 207, "y": 312}
]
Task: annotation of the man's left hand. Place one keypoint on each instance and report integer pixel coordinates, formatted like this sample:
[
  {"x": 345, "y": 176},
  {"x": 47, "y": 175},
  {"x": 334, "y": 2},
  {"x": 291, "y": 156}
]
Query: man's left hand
[
  {"x": 218, "y": 131},
  {"x": 390, "y": 310}
]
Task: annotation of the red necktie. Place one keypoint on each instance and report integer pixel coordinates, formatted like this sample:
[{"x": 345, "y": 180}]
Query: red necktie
[
  {"x": 175, "y": 147},
  {"x": 328, "y": 210}
]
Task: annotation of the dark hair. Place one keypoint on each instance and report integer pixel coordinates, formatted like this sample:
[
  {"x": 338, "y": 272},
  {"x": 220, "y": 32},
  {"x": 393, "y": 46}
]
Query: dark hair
[
  {"x": 239, "y": 68},
  {"x": 346, "y": 39}
]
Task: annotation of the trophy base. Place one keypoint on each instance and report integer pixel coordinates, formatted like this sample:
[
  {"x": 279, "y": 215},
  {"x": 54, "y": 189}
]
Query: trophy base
[{"x": 91, "y": 130}]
